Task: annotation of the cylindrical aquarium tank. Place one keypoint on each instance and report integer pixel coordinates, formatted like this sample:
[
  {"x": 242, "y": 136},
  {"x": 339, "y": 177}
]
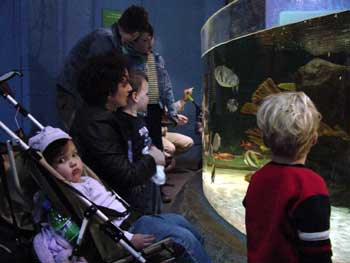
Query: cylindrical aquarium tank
[{"x": 248, "y": 54}]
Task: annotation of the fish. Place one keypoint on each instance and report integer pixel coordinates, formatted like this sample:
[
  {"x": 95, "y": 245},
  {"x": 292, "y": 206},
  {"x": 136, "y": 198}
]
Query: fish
[
  {"x": 226, "y": 77},
  {"x": 232, "y": 105},
  {"x": 264, "y": 148},
  {"x": 255, "y": 136},
  {"x": 249, "y": 108},
  {"x": 223, "y": 156},
  {"x": 247, "y": 145},
  {"x": 341, "y": 133},
  {"x": 213, "y": 173},
  {"x": 336, "y": 131},
  {"x": 290, "y": 86},
  {"x": 265, "y": 89},
  {"x": 251, "y": 158},
  {"x": 216, "y": 142}
]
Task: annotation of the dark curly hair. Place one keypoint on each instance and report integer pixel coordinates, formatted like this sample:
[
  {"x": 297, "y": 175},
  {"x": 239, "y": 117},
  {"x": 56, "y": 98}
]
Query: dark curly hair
[
  {"x": 100, "y": 77},
  {"x": 149, "y": 30},
  {"x": 134, "y": 19}
]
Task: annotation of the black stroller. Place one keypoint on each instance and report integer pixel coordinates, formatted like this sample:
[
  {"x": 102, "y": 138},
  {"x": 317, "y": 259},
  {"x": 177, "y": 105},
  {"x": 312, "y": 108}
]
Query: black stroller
[{"x": 99, "y": 239}]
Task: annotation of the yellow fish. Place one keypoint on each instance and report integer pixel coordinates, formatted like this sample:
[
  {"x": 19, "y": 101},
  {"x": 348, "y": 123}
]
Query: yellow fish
[
  {"x": 291, "y": 86},
  {"x": 263, "y": 148},
  {"x": 251, "y": 158}
]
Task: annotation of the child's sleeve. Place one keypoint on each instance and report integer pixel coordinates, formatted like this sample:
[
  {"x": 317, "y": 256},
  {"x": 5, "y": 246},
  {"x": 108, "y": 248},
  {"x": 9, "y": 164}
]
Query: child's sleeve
[
  {"x": 312, "y": 220},
  {"x": 128, "y": 235},
  {"x": 42, "y": 250}
]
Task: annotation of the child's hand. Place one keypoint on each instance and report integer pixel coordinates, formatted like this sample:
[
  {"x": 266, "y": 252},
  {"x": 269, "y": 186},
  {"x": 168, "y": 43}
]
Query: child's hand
[
  {"x": 188, "y": 94},
  {"x": 141, "y": 241},
  {"x": 157, "y": 155}
]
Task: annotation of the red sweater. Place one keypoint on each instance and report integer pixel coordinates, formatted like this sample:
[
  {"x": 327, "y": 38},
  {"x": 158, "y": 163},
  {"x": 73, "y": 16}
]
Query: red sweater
[{"x": 287, "y": 216}]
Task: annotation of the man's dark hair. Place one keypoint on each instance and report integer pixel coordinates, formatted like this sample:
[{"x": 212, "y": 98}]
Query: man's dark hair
[
  {"x": 135, "y": 80},
  {"x": 134, "y": 19},
  {"x": 149, "y": 29},
  {"x": 54, "y": 150},
  {"x": 100, "y": 78}
]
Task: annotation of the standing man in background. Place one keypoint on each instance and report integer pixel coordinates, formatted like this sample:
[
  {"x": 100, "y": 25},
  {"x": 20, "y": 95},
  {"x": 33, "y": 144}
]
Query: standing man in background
[{"x": 133, "y": 21}]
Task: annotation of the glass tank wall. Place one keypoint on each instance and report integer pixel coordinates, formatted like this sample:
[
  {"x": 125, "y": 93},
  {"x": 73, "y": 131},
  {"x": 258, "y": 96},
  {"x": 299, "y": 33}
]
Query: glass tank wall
[
  {"x": 311, "y": 56},
  {"x": 236, "y": 19}
]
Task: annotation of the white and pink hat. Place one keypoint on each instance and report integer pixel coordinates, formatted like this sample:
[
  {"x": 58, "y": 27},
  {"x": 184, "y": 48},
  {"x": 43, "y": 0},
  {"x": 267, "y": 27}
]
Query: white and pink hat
[{"x": 45, "y": 137}]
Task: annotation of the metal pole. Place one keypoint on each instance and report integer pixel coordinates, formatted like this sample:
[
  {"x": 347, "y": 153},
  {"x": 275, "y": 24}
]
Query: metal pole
[
  {"x": 137, "y": 255},
  {"x": 23, "y": 145},
  {"x": 22, "y": 110},
  {"x": 13, "y": 168}
]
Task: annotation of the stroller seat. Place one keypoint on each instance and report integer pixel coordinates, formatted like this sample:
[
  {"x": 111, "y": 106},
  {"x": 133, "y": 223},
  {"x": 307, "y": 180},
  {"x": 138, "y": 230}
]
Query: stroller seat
[
  {"x": 65, "y": 198},
  {"x": 69, "y": 202}
]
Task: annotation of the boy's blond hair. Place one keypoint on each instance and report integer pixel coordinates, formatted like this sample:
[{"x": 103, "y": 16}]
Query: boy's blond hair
[{"x": 289, "y": 122}]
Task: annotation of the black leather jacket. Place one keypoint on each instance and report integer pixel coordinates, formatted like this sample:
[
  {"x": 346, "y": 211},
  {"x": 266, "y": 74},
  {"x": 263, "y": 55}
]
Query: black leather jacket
[{"x": 103, "y": 144}]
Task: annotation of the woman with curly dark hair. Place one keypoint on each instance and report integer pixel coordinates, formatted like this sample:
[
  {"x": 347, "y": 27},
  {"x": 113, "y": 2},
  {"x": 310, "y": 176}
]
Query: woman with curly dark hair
[{"x": 103, "y": 142}]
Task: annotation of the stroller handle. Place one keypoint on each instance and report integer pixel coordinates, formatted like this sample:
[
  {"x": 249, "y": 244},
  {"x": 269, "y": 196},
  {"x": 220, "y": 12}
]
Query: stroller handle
[
  {"x": 23, "y": 145},
  {"x": 137, "y": 255},
  {"x": 17, "y": 105},
  {"x": 9, "y": 75}
]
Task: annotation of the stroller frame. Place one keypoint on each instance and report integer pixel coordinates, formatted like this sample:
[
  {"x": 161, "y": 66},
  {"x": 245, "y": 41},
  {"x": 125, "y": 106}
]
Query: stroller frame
[
  {"x": 114, "y": 232},
  {"x": 110, "y": 229}
]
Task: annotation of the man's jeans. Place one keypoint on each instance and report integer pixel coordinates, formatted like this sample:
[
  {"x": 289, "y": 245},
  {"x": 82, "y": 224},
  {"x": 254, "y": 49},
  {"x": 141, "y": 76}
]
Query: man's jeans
[{"x": 178, "y": 229}]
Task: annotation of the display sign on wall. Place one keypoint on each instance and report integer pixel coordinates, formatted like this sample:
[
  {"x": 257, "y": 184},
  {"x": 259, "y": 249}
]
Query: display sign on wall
[{"x": 110, "y": 16}]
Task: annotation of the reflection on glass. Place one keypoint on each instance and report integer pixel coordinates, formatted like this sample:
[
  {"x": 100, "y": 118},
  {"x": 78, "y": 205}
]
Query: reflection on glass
[{"x": 280, "y": 12}]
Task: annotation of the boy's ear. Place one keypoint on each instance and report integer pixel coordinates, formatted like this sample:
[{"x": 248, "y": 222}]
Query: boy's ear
[{"x": 134, "y": 96}]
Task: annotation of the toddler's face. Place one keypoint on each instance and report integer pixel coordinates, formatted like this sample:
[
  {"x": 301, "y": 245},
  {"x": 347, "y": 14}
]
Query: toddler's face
[
  {"x": 69, "y": 164},
  {"x": 142, "y": 97}
]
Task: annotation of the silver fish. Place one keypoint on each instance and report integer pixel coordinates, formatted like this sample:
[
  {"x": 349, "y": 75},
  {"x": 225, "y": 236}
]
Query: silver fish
[
  {"x": 216, "y": 142},
  {"x": 226, "y": 77},
  {"x": 232, "y": 105}
]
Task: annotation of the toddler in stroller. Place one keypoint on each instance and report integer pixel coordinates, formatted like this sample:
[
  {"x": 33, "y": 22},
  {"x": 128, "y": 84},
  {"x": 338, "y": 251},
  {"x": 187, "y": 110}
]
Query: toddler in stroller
[{"x": 59, "y": 150}]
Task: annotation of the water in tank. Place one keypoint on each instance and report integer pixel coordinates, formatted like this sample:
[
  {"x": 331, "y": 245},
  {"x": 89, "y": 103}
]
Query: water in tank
[{"x": 312, "y": 56}]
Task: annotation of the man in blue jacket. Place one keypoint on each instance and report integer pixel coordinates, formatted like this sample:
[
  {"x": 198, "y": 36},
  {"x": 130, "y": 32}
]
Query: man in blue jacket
[
  {"x": 161, "y": 98},
  {"x": 133, "y": 21}
]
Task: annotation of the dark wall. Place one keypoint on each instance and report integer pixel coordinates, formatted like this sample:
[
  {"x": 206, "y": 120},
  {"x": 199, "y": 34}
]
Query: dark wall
[
  {"x": 36, "y": 35},
  {"x": 13, "y": 55}
]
